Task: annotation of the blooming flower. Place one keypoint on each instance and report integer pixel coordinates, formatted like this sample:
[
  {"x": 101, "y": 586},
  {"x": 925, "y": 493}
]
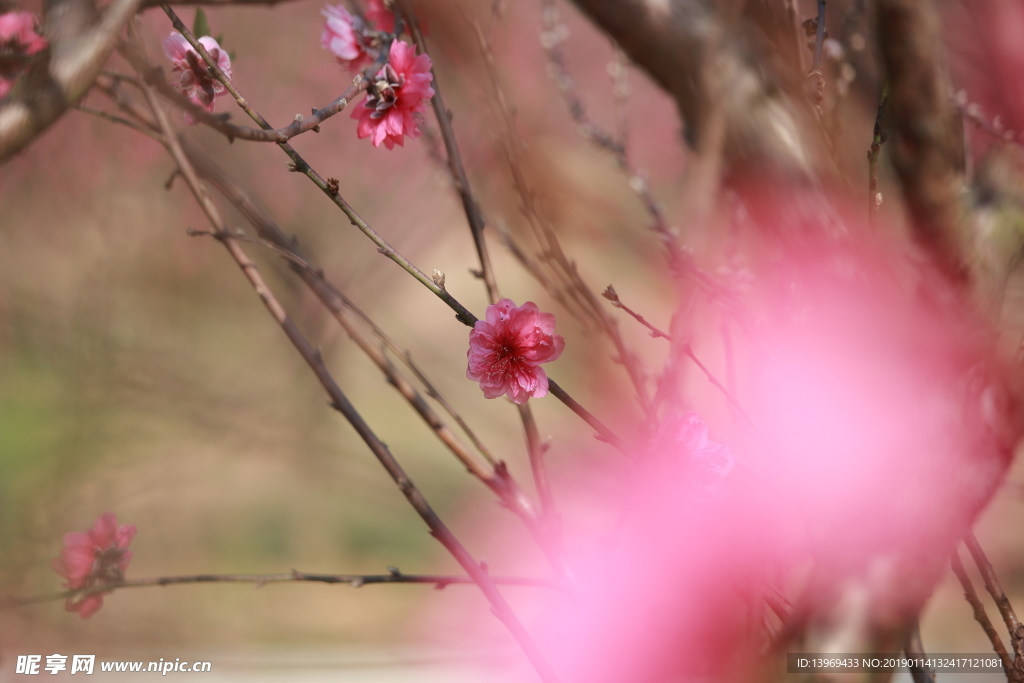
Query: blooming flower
[
  {"x": 399, "y": 92},
  {"x": 506, "y": 350},
  {"x": 195, "y": 81},
  {"x": 99, "y": 556},
  {"x": 345, "y": 36},
  {"x": 18, "y": 38}
]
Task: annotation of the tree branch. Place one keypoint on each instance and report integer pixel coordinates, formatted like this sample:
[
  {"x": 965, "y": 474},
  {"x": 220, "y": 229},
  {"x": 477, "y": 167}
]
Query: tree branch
[
  {"x": 440, "y": 581},
  {"x": 49, "y": 89}
]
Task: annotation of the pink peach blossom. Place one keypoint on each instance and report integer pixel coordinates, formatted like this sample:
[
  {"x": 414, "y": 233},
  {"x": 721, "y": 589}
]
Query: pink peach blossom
[
  {"x": 195, "y": 81},
  {"x": 97, "y": 557},
  {"x": 506, "y": 350},
  {"x": 399, "y": 93},
  {"x": 18, "y": 37},
  {"x": 344, "y": 36}
]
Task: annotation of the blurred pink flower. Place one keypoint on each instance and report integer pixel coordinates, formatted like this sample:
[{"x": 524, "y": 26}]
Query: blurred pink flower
[
  {"x": 685, "y": 438},
  {"x": 506, "y": 350},
  {"x": 394, "y": 99},
  {"x": 344, "y": 37},
  {"x": 18, "y": 37},
  {"x": 195, "y": 81},
  {"x": 383, "y": 18},
  {"x": 97, "y": 557}
]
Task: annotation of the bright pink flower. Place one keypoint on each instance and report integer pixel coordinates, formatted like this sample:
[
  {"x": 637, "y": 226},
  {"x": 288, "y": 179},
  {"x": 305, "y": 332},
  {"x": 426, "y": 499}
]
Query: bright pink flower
[
  {"x": 383, "y": 19},
  {"x": 195, "y": 81},
  {"x": 399, "y": 93},
  {"x": 19, "y": 38},
  {"x": 345, "y": 37},
  {"x": 97, "y": 557},
  {"x": 506, "y": 350}
]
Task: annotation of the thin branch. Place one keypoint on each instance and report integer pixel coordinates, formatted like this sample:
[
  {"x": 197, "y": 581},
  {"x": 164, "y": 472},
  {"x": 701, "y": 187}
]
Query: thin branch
[
  {"x": 113, "y": 118},
  {"x": 155, "y": 76},
  {"x": 536, "y": 450},
  {"x": 439, "y": 581},
  {"x": 612, "y": 296},
  {"x": 879, "y": 137},
  {"x": 979, "y": 611},
  {"x": 988, "y": 575},
  {"x": 552, "y": 39},
  {"x": 455, "y": 165},
  {"x": 915, "y": 651},
  {"x": 341, "y": 403},
  {"x": 300, "y": 166}
]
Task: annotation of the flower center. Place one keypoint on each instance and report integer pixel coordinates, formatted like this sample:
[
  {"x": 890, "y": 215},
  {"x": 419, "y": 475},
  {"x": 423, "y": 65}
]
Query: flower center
[{"x": 383, "y": 93}]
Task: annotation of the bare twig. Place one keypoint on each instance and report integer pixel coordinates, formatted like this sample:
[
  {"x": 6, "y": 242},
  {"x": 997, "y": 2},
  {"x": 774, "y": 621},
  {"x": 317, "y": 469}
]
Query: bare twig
[
  {"x": 455, "y": 165},
  {"x": 439, "y": 581},
  {"x": 113, "y": 118},
  {"x": 613, "y": 296},
  {"x": 988, "y": 575},
  {"x": 915, "y": 651},
  {"x": 536, "y": 449},
  {"x": 879, "y": 137},
  {"x": 552, "y": 40},
  {"x": 979, "y": 611},
  {"x": 156, "y": 78}
]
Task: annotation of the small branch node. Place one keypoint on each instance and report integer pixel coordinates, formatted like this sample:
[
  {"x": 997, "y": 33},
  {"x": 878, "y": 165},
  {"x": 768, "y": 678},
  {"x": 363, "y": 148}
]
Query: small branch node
[{"x": 438, "y": 277}]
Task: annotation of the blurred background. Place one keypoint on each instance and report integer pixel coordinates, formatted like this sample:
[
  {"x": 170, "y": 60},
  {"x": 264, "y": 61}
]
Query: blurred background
[{"x": 139, "y": 373}]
